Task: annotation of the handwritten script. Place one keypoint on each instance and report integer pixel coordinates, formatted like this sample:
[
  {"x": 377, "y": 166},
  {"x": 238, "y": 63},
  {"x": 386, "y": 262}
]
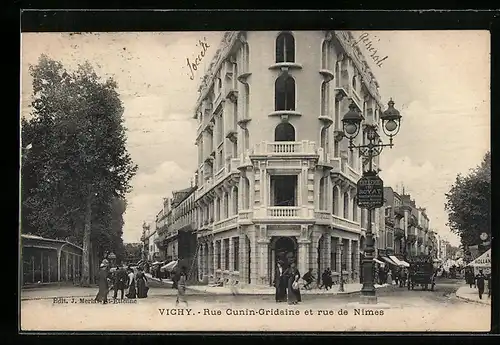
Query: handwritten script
[
  {"x": 193, "y": 65},
  {"x": 366, "y": 39}
]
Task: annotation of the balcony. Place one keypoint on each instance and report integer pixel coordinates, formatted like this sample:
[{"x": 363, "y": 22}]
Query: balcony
[
  {"x": 345, "y": 224},
  {"x": 398, "y": 233},
  {"x": 283, "y": 212},
  {"x": 225, "y": 224},
  {"x": 285, "y": 148},
  {"x": 344, "y": 169}
]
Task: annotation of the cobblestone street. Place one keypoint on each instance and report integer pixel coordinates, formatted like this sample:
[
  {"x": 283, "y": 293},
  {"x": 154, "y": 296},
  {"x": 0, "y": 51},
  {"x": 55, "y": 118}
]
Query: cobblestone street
[{"x": 417, "y": 310}]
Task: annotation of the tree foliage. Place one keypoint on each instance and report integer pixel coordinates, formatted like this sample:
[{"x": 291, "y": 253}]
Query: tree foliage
[
  {"x": 468, "y": 203},
  {"x": 77, "y": 171}
]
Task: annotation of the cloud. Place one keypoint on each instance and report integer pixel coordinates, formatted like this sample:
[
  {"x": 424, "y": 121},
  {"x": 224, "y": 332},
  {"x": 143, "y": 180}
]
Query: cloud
[{"x": 146, "y": 198}]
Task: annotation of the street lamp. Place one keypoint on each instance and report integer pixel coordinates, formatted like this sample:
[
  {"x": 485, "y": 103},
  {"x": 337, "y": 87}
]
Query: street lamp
[{"x": 391, "y": 121}]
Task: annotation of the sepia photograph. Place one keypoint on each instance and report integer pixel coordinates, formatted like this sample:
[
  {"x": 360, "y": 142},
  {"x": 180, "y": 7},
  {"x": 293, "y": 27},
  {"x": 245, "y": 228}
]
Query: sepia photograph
[{"x": 319, "y": 181}]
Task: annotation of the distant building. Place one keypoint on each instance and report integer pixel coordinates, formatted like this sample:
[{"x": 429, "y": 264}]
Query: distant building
[{"x": 176, "y": 228}]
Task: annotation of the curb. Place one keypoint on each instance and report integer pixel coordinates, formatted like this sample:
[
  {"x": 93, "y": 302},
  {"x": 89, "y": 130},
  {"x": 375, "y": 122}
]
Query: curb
[{"x": 471, "y": 300}]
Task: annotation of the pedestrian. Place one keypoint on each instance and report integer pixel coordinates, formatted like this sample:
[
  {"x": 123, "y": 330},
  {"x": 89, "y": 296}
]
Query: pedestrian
[
  {"x": 102, "y": 294},
  {"x": 120, "y": 282},
  {"x": 389, "y": 277},
  {"x": 480, "y": 278},
  {"x": 142, "y": 285},
  {"x": 489, "y": 285},
  {"x": 293, "y": 289},
  {"x": 131, "y": 284},
  {"x": 181, "y": 287},
  {"x": 397, "y": 276},
  {"x": 326, "y": 279},
  {"x": 280, "y": 283}
]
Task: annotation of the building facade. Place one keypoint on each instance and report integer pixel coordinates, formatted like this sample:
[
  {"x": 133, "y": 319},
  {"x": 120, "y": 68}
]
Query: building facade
[
  {"x": 407, "y": 226},
  {"x": 276, "y": 180},
  {"x": 176, "y": 228}
]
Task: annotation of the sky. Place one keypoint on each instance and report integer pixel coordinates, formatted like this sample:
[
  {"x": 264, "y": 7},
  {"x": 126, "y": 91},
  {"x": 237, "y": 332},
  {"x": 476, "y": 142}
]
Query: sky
[{"x": 439, "y": 81}]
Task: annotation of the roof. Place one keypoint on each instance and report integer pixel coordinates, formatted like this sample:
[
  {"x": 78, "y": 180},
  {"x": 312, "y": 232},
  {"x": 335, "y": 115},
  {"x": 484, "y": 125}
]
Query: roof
[
  {"x": 40, "y": 238},
  {"x": 181, "y": 195}
]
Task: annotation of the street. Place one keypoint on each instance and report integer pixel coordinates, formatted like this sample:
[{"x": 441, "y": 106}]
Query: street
[{"x": 417, "y": 310}]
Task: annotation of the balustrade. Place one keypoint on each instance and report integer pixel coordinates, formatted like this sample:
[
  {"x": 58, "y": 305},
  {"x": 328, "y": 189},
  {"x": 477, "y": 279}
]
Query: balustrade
[{"x": 283, "y": 211}]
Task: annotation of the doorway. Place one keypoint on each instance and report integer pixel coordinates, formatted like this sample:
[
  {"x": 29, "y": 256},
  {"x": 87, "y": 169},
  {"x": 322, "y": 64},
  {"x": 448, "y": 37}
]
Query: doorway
[
  {"x": 283, "y": 249},
  {"x": 249, "y": 260}
]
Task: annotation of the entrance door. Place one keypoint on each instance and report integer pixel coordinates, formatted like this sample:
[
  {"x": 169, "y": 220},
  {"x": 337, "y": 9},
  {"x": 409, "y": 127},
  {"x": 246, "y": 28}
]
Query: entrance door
[{"x": 285, "y": 250}]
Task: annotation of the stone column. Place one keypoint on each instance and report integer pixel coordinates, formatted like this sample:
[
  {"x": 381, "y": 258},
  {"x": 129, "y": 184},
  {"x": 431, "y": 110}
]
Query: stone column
[
  {"x": 313, "y": 253},
  {"x": 328, "y": 250},
  {"x": 243, "y": 263},
  {"x": 201, "y": 254},
  {"x": 254, "y": 257},
  {"x": 303, "y": 255},
  {"x": 339, "y": 255},
  {"x": 222, "y": 255},
  {"x": 263, "y": 258}
]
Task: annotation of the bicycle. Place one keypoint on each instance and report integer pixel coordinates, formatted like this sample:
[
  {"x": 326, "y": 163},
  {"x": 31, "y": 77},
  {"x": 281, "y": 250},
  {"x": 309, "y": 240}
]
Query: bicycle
[{"x": 312, "y": 286}]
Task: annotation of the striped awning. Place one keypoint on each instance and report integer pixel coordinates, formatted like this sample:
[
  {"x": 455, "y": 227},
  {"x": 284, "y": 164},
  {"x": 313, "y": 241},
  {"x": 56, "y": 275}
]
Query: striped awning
[
  {"x": 389, "y": 261},
  {"x": 379, "y": 262},
  {"x": 398, "y": 262}
]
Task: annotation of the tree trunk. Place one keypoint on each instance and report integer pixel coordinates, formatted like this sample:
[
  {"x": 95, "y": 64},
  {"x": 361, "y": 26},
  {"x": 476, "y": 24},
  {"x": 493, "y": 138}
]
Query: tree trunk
[{"x": 86, "y": 240}]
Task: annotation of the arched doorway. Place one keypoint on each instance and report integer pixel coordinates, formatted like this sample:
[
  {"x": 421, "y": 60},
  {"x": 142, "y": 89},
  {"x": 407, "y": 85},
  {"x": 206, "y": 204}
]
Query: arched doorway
[
  {"x": 249, "y": 260},
  {"x": 283, "y": 249}
]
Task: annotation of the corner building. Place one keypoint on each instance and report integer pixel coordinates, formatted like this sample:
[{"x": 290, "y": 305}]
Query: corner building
[{"x": 275, "y": 177}]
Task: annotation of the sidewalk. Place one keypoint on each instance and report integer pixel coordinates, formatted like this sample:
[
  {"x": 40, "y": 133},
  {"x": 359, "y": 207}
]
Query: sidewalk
[{"x": 468, "y": 294}]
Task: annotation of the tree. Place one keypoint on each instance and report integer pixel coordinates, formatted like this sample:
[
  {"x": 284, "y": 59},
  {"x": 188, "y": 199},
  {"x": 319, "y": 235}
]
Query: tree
[
  {"x": 78, "y": 165},
  {"x": 133, "y": 252},
  {"x": 468, "y": 203}
]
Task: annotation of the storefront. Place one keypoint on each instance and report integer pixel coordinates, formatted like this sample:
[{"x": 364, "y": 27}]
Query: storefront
[{"x": 49, "y": 261}]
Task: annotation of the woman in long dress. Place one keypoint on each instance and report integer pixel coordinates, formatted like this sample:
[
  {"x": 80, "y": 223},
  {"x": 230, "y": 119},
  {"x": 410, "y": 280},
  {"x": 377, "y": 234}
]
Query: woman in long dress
[
  {"x": 102, "y": 295},
  {"x": 181, "y": 288},
  {"x": 142, "y": 288},
  {"x": 131, "y": 284},
  {"x": 280, "y": 283},
  {"x": 293, "y": 290}
]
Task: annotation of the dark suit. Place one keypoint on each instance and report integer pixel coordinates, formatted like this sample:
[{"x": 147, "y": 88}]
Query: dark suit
[
  {"x": 120, "y": 282},
  {"x": 280, "y": 283}
]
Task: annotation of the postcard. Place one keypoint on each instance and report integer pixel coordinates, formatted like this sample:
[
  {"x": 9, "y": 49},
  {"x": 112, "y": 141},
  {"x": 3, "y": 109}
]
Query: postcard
[{"x": 255, "y": 181}]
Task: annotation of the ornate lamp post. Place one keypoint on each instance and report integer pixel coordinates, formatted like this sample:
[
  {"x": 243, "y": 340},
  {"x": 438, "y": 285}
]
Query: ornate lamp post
[{"x": 372, "y": 146}]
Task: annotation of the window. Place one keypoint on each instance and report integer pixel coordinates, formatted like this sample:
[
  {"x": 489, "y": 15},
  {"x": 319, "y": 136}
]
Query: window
[
  {"x": 284, "y": 93},
  {"x": 246, "y": 193},
  {"x": 346, "y": 205},
  {"x": 354, "y": 83},
  {"x": 324, "y": 55},
  {"x": 285, "y": 48},
  {"x": 235, "y": 200},
  {"x": 226, "y": 254},
  {"x": 354, "y": 210},
  {"x": 284, "y": 132},
  {"x": 324, "y": 139},
  {"x": 322, "y": 194},
  {"x": 325, "y": 99},
  {"x": 388, "y": 211},
  {"x": 284, "y": 190},
  {"x": 335, "y": 201},
  {"x": 236, "y": 256}
]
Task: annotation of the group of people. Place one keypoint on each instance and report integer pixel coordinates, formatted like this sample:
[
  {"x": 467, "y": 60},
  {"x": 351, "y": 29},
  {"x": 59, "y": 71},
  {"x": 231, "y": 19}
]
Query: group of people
[
  {"x": 120, "y": 279},
  {"x": 478, "y": 281},
  {"x": 286, "y": 283}
]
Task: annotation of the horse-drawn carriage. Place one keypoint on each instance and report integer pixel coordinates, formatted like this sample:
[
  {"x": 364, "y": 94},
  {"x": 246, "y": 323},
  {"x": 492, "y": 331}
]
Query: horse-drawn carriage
[{"x": 422, "y": 272}]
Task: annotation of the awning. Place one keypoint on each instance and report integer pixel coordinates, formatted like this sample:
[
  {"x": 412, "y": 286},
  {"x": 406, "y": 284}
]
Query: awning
[
  {"x": 170, "y": 266},
  {"x": 379, "y": 262},
  {"x": 484, "y": 261},
  {"x": 399, "y": 262},
  {"x": 389, "y": 261}
]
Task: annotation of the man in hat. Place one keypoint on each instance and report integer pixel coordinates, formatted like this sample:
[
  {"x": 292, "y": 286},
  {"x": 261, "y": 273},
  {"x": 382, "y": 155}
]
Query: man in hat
[
  {"x": 480, "y": 278},
  {"x": 102, "y": 295}
]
